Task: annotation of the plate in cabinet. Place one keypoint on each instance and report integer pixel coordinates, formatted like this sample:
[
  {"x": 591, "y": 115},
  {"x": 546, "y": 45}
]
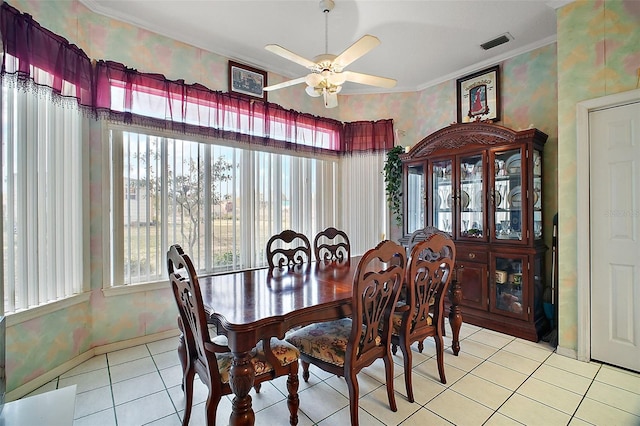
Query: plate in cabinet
[
  {"x": 513, "y": 164},
  {"x": 515, "y": 198},
  {"x": 464, "y": 200}
]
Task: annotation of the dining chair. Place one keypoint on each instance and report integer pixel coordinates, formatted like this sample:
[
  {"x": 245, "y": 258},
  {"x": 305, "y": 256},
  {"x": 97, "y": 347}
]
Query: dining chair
[
  {"x": 421, "y": 309},
  {"x": 212, "y": 359},
  {"x": 422, "y": 234},
  {"x": 288, "y": 248},
  {"x": 332, "y": 244},
  {"x": 346, "y": 346}
]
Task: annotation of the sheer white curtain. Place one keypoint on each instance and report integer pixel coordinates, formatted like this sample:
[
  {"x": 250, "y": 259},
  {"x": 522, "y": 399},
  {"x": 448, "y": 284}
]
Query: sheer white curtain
[
  {"x": 364, "y": 208},
  {"x": 42, "y": 196}
]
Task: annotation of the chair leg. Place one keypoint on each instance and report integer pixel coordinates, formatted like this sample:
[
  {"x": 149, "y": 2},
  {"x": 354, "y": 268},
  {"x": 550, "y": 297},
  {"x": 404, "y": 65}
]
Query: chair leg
[
  {"x": 388, "y": 368},
  {"x": 187, "y": 385},
  {"x": 394, "y": 348},
  {"x": 211, "y": 407},
  {"x": 354, "y": 392},
  {"x": 305, "y": 371},
  {"x": 182, "y": 355},
  {"x": 293, "y": 401},
  {"x": 440, "y": 357},
  {"x": 257, "y": 387},
  {"x": 420, "y": 346},
  {"x": 407, "y": 357}
]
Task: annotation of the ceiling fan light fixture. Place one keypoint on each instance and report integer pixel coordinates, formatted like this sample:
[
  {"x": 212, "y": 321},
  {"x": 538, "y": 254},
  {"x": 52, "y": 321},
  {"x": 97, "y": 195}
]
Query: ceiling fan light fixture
[
  {"x": 336, "y": 79},
  {"x": 313, "y": 79},
  {"x": 313, "y": 92}
]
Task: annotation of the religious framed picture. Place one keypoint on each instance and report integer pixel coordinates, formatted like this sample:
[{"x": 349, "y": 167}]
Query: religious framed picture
[
  {"x": 247, "y": 81},
  {"x": 478, "y": 96}
]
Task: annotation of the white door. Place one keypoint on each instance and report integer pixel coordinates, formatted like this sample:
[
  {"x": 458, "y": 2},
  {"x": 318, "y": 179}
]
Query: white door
[{"x": 614, "y": 135}]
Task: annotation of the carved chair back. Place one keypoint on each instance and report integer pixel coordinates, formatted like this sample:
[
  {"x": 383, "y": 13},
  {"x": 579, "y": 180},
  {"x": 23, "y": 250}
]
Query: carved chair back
[
  {"x": 332, "y": 244},
  {"x": 288, "y": 248}
]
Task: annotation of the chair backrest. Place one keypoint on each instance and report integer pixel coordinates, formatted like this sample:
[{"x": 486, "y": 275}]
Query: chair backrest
[
  {"x": 332, "y": 244},
  {"x": 376, "y": 285},
  {"x": 288, "y": 247},
  {"x": 186, "y": 290},
  {"x": 422, "y": 234},
  {"x": 428, "y": 277}
]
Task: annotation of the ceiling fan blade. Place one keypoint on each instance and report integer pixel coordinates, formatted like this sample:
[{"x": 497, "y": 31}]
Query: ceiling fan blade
[
  {"x": 285, "y": 84},
  {"x": 371, "y": 80},
  {"x": 330, "y": 99},
  {"x": 287, "y": 54},
  {"x": 356, "y": 50}
]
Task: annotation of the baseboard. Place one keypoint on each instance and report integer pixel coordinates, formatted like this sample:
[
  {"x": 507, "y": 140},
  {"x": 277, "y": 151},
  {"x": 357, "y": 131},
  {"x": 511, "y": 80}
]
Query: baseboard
[
  {"x": 42, "y": 380},
  {"x": 124, "y": 344}
]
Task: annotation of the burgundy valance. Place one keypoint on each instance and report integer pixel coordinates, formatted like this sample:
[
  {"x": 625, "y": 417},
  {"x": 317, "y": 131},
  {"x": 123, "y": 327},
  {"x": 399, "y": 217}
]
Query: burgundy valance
[
  {"x": 128, "y": 95},
  {"x": 369, "y": 136},
  {"x": 33, "y": 46}
]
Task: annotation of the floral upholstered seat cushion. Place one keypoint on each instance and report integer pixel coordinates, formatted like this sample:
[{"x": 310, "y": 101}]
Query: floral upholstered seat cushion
[
  {"x": 285, "y": 352},
  {"x": 396, "y": 322},
  {"x": 326, "y": 341}
]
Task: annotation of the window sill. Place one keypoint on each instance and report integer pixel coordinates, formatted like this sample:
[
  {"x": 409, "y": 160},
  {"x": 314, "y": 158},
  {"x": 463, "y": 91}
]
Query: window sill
[
  {"x": 135, "y": 288},
  {"x": 39, "y": 311}
]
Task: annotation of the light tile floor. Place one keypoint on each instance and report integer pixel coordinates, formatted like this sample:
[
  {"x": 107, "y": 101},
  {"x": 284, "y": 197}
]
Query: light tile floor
[{"x": 496, "y": 380}]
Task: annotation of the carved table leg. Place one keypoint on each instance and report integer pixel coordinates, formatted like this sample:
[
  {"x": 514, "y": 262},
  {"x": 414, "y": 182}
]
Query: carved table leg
[
  {"x": 241, "y": 377},
  {"x": 293, "y": 400},
  {"x": 455, "y": 315}
]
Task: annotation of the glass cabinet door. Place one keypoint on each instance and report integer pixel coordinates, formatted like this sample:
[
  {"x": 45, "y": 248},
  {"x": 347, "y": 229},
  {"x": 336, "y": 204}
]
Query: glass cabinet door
[
  {"x": 537, "y": 194},
  {"x": 471, "y": 197},
  {"x": 416, "y": 196},
  {"x": 508, "y": 196},
  {"x": 508, "y": 281},
  {"x": 442, "y": 194}
]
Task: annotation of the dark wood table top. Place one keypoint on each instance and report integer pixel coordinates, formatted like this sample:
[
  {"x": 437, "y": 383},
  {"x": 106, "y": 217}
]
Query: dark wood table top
[{"x": 251, "y": 305}]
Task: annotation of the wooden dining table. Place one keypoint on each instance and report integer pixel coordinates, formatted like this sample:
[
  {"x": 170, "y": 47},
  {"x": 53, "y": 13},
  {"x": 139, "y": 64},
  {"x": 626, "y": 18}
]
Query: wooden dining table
[{"x": 248, "y": 306}]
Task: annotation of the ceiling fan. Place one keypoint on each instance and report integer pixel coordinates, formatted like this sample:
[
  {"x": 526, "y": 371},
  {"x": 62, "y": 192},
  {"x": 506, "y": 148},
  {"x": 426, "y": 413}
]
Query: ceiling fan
[{"x": 327, "y": 71}]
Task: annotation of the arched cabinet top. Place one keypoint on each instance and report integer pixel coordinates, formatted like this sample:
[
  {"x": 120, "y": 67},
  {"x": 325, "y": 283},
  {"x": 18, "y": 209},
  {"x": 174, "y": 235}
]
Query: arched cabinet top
[{"x": 471, "y": 135}]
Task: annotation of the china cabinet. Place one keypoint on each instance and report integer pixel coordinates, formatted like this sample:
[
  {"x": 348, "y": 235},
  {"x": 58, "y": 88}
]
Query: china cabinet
[{"x": 482, "y": 183}]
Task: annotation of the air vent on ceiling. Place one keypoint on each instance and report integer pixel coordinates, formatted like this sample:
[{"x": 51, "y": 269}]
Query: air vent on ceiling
[{"x": 497, "y": 41}]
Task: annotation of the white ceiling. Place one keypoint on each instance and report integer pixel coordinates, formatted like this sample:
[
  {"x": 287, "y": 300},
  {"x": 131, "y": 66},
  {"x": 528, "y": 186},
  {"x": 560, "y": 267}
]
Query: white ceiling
[{"x": 423, "y": 42}]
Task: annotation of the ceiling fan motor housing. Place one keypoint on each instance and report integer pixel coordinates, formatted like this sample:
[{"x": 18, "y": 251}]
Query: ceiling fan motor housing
[{"x": 326, "y": 5}]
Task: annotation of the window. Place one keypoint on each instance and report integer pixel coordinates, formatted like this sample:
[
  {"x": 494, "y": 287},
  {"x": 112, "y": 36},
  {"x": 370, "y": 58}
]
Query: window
[
  {"x": 42, "y": 196},
  {"x": 220, "y": 203}
]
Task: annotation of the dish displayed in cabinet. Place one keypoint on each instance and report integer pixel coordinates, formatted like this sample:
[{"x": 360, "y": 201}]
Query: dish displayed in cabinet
[
  {"x": 513, "y": 164},
  {"x": 498, "y": 197},
  {"x": 514, "y": 199},
  {"x": 464, "y": 200}
]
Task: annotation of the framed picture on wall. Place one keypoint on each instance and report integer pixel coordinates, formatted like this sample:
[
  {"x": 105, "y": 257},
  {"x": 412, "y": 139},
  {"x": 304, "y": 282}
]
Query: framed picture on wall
[
  {"x": 247, "y": 81},
  {"x": 478, "y": 96}
]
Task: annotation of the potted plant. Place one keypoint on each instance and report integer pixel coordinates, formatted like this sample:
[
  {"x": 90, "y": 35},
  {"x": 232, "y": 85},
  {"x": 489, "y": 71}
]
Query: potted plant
[{"x": 393, "y": 182}]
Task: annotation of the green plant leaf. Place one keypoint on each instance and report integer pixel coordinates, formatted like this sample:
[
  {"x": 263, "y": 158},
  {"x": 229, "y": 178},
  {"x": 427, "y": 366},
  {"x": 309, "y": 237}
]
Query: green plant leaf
[{"x": 393, "y": 182}]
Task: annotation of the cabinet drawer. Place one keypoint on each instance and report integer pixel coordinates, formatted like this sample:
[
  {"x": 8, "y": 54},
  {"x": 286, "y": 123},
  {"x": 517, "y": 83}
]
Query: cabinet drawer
[{"x": 467, "y": 254}]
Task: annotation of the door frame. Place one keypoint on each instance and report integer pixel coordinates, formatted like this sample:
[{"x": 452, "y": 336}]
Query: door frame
[{"x": 583, "y": 220}]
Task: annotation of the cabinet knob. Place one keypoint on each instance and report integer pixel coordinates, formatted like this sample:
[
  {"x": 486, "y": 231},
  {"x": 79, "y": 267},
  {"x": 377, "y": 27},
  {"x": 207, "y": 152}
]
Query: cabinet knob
[{"x": 472, "y": 255}]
